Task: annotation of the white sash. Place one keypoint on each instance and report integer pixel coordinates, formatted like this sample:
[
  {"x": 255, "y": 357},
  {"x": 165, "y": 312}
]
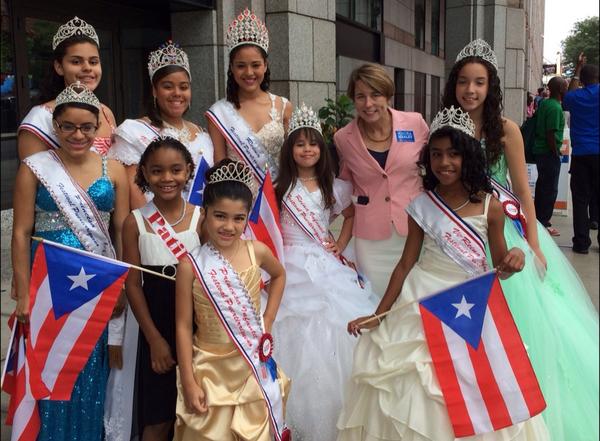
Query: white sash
[
  {"x": 39, "y": 122},
  {"x": 234, "y": 307},
  {"x": 511, "y": 206},
  {"x": 453, "y": 235},
  {"x": 163, "y": 229},
  {"x": 73, "y": 202}
]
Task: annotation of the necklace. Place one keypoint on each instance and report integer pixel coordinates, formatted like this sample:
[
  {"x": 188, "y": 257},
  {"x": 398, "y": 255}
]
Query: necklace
[
  {"x": 178, "y": 221},
  {"x": 183, "y": 135},
  {"x": 237, "y": 248},
  {"x": 376, "y": 140},
  {"x": 311, "y": 178},
  {"x": 460, "y": 207}
]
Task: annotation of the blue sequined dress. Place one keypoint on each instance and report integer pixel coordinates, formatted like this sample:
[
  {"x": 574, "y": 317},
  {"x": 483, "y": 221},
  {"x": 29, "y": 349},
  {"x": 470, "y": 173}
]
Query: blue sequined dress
[{"x": 80, "y": 418}]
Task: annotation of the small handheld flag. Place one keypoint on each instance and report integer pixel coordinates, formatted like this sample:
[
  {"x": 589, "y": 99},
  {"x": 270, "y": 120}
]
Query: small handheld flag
[{"x": 197, "y": 191}]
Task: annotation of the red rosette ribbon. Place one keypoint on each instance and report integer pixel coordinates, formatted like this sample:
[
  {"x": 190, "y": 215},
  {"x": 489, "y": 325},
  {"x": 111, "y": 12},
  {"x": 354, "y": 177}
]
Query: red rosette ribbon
[
  {"x": 512, "y": 209},
  {"x": 286, "y": 435},
  {"x": 265, "y": 347}
]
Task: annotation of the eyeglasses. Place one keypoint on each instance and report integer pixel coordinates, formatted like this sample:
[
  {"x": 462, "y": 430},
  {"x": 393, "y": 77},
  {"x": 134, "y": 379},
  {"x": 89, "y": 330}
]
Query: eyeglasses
[{"x": 68, "y": 128}]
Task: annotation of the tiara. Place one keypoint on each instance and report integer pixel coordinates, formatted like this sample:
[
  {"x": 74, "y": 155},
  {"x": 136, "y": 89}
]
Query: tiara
[
  {"x": 247, "y": 29},
  {"x": 77, "y": 93},
  {"x": 455, "y": 118},
  {"x": 233, "y": 171},
  {"x": 304, "y": 116},
  {"x": 480, "y": 49},
  {"x": 168, "y": 54},
  {"x": 74, "y": 27}
]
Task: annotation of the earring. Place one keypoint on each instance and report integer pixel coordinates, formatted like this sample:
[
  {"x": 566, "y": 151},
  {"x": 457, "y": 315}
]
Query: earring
[{"x": 155, "y": 105}]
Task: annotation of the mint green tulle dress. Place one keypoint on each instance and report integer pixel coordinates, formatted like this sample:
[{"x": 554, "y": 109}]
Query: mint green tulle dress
[{"x": 559, "y": 326}]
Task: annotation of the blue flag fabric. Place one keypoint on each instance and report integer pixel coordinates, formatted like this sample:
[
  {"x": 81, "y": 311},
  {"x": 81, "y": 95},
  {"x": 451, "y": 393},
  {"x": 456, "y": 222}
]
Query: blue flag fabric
[{"x": 197, "y": 191}]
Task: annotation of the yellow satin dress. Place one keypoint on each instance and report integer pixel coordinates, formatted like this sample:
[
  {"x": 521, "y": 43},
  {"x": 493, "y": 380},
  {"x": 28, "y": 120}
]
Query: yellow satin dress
[{"x": 236, "y": 407}]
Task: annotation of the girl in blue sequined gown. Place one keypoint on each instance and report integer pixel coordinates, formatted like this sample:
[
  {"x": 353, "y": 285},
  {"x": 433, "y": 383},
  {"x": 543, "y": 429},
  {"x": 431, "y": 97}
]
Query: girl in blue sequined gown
[
  {"x": 551, "y": 307},
  {"x": 37, "y": 213}
]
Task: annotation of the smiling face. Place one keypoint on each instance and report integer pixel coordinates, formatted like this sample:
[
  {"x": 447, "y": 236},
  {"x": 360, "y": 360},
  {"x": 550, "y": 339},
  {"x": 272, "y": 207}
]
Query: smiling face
[
  {"x": 306, "y": 152},
  {"x": 166, "y": 173},
  {"x": 248, "y": 68},
  {"x": 472, "y": 87},
  {"x": 370, "y": 104},
  {"x": 173, "y": 94},
  {"x": 81, "y": 62},
  {"x": 445, "y": 160},
  {"x": 225, "y": 221},
  {"x": 75, "y": 141}
]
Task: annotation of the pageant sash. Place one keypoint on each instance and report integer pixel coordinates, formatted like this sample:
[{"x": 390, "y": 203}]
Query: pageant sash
[
  {"x": 39, "y": 122},
  {"x": 163, "y": 229},
  {"x": 511, "y": 206},
  {"x": 233, "y": 305},
  {"x": 240, "y": 137},
  {"x": 453, "y": 235},
  {"x": 73, "y": 202}
]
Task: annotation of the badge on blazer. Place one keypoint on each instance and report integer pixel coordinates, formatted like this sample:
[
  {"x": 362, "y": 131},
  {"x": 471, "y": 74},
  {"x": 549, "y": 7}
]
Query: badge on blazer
[{"x": 405, "y": 136}]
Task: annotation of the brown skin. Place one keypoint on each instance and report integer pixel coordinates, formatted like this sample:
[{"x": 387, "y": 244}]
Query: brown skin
[{"x": 575, "y": 82}]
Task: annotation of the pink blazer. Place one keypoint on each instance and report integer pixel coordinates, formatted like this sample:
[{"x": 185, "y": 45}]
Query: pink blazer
[{"x": 388, "y": 191}]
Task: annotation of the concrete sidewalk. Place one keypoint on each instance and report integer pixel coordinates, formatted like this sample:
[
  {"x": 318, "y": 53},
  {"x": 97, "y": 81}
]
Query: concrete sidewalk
[{"x": 585, "y": 265}]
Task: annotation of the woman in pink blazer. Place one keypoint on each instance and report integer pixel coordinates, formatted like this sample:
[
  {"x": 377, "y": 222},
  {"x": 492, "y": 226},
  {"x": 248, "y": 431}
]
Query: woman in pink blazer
[{"x": 378, "y": 153}]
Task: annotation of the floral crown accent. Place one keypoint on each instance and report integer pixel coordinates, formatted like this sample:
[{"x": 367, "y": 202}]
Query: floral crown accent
[
  {"x": 455, "y": 118},
  {"x": 77, "y": 93},
  {"x": 247, "y": 28},
  {"x": 481, "y": 49},
  {"x": 74, "y": 27},
  {"x": 168, "y": 54},
  {"x": 304, "y": 116},
  {"x": 233, "y": 171}
]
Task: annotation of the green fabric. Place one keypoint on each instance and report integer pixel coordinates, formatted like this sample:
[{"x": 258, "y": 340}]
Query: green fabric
[
  {"x": 550, "y": 117},
  {"x": 498, "y": 170}
]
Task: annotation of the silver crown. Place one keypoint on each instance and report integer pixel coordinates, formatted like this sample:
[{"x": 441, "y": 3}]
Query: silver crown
[
  {"x": 77, "y": 93},
  {"x": 247, "y": 28},
  {"x": 168, "y": 54},
  {"x": 304, "y": 116},
  {"x": 74, "y": 27},
  {"x": 455, "y": 118},
  {"x": 481, "y": 49},
  {"x": 233, "y": 171}
]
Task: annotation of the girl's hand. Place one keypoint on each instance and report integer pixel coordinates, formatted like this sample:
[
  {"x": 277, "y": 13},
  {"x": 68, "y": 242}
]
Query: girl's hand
[
  {"x": 195, "y": 398},
  {"x": 22, "y": 309},
  {"x": 333, "y": 247},
  {"x": 115, "y": 357},
  {"x": 355, "y": 326},
  {"x": 160, "y": 355},
  {"x": 540, "y": 255},
  {"x": 513, "y": 262}
]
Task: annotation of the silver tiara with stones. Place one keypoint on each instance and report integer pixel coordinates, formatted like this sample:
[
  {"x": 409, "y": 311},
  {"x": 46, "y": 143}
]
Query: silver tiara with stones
[
  {"x": 169, "y": 54},
  {"x": 72, "y": 28},
  {"x": 481, "y": 49},
  {"x": 77, "y": 93},
  {"x": 247, "y": 28},
  {"x": 455, "y": 118},
  {"x": 233, "y": 171},
  {"x": 304, "y": 116}
]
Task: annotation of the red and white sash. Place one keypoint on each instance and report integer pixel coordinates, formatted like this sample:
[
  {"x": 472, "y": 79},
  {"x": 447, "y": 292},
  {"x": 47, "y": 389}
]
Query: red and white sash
[
  {"x": 511, "y": 206},
  {"x": 163, "y": 229},
  {"x": 453, "y": 235},
  {"x": 73, "y": 201},
  {"x": 233, "y": 305}
]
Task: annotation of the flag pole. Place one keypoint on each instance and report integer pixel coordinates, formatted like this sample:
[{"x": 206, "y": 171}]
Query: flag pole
[{"x": 139, "y": 268}]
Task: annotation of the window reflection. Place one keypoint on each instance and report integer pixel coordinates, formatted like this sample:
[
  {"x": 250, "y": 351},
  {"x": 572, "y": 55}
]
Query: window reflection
[{"x": 8, "y": 110}]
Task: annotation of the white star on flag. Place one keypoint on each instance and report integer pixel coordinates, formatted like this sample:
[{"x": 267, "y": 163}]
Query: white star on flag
[
  {"x": 80, "y": 279},
  {"x": 463, "y": 308}
]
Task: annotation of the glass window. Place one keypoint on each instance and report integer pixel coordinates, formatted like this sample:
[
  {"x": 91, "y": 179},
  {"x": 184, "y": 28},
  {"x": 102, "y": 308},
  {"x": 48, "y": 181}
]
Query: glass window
[
  {"x": 435, "y": 27},
  {"x": 8, "y": 110},
  {"x": 365, "y": 12},
  {"x": 435, "y": 95},
  {"x": 399, "y": 89},
  {"x": 420, "y": 24},
  {"x": 420, "y": 94}
]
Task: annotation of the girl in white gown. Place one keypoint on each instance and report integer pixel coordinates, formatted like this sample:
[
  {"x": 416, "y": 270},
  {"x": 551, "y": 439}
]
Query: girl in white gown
[
  {"x": 322, "y": 291},
  {"x": 394, "y": 393}
]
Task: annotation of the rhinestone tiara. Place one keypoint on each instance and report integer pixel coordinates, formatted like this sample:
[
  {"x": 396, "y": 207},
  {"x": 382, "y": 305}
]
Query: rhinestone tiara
[
  {"x": 304, "y": 116},
  {"x": 247, "y": 28},
  {"x": 481, "y": 49},
  {"x": 233, "y": 171},
  {"x": 74, "y": 27},
  {"x": 77, "y": 93},
  {"x": 455, "y": 118},
  {"x": 168, "y": 54}
]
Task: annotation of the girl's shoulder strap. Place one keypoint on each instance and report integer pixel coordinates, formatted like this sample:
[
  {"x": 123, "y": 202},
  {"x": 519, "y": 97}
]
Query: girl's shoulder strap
[
  {"x": 486, "y": 203},
  {"x": 139, "y": 220},
  {"x": 104, "y": 166},
  {"x": 250, "y": 245},
  {"x": 195, "y": 219}
]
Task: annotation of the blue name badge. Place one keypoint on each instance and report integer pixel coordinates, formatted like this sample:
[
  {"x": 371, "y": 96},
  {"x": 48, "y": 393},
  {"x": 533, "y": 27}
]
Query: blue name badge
[{"x": 405, "y": 136}]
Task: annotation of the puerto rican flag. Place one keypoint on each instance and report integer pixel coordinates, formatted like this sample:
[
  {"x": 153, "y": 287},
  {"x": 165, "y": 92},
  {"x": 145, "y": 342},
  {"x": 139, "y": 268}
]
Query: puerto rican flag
[
  {"x": 479, "y": 358},
  {"x": 72, "y": 296},
  {"x": 197, "y": 191},
  {"x": 264, "y": 219}
]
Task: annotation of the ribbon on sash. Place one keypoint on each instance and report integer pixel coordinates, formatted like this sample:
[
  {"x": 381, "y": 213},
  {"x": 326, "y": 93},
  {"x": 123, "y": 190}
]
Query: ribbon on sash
[
  {"x": 163, "y": 229},
  {"x": 39, "y": 122},
  {"x": 73, "y": 202},
  {"x": 511, "y": 206},
  {"x": 453, "y": 235},
  {"x": 305, "y": 212},
  {"x": 233, "y": 305}
]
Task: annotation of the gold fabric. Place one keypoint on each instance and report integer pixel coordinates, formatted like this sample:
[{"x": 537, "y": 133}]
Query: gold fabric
[{"x": 236, "y": 407}]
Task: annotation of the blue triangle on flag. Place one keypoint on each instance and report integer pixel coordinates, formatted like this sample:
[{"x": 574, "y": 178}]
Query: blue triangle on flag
[
  {"x": 75, "y": 278},
  {"x": 197, "y": 190},
  {"x": 462, "y": 307},
  {"x": 255, "y": 214}
]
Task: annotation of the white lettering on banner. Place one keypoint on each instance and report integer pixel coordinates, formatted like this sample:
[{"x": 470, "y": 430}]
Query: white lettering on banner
[{"x": 163, "y": 230}]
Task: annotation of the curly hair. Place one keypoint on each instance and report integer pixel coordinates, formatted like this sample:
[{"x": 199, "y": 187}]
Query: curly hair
[
  {"x": 233, "y": 87},
  {"x": 474, "y": 174},
  {"x": 234, "y": 190},
  {"x": 161, "y": 143},
  {"x": 492, "y": 107},
  {"x": 288, "y": 170}
]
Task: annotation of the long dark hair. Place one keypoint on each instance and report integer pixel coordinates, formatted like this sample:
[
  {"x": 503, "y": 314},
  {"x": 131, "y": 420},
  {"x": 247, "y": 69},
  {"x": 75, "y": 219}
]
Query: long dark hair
[
  {"x": 492, "y": 107},
  {"x": 152, "y": 109},
  {"x": 53, "y": 83},
  {"x": 474, "y": 175},
  {"x": 234, "y": 190},
  {"x": 233, "y": 87},
  {"x": 288, "y": 170}
]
